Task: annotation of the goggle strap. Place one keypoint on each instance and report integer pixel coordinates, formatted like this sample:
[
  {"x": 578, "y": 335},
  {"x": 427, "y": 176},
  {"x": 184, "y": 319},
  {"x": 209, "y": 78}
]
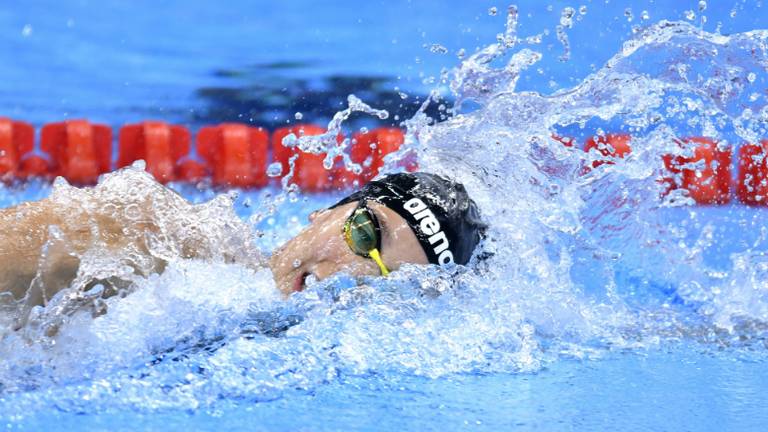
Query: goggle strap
[{"x": 374, "y": 253}]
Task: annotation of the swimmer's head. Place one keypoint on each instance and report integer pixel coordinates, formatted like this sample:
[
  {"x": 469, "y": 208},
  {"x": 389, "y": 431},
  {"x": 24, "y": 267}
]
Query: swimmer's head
[{"x": 416, "y": 218}]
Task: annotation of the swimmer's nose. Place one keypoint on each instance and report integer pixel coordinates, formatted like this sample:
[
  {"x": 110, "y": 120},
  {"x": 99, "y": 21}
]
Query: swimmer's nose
[{"x": 315, "y": 214}]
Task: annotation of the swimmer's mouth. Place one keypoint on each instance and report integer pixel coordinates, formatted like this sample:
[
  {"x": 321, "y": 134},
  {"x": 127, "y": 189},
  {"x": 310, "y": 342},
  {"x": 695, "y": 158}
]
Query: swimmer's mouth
[{"x": 301, "y": 282}]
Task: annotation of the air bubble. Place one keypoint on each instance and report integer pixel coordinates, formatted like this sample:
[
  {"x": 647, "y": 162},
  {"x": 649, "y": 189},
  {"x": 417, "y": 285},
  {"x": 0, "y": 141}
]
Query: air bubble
[
  {"x": 628, "y": 14},
  {"x": 702, "y": 6},
  {"x": 690, "y": 15},
  {"x": 274, "y": 169},
  {"x": 296, "y": 263},
  {"x": 582, "y": 10},
  {"x": 298, "y": 116},
  {"x": 493, "y": 11},
  {"x": 751, "y": 77}
]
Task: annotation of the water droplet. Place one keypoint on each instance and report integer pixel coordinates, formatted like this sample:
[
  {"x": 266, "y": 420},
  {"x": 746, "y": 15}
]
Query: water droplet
[
  {"x": 733, "y": 13},
  {"x": 690, "y": 15},
  {"x": 364, "y": 130},
  {"x": 402, "y": 95},
  {"x": 438, "y": 49},
  {"x": 645, "y": 16},
  {"x": 583, "y": 10},
  {"x": 566, "y": 17},
  {"x": 26, "y": 30},
  {"x": 493, "y": 11},
  {"x": 628, "y": 14},
  {"x": 702, "y": 6},
  {"x": 751, "y": 77},
  {"x": 462, "y": 52},
  {"x": 274, "y": 169},
  {"x": 298, "y": 116}
]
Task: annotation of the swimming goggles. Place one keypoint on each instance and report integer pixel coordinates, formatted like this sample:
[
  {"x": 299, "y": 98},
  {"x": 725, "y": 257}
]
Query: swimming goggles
[{"x": 363, "y": 235}]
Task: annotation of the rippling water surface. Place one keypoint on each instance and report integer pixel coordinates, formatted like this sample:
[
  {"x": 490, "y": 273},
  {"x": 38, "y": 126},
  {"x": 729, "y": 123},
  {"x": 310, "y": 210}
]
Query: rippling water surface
[{"x": 599, "y": 301}]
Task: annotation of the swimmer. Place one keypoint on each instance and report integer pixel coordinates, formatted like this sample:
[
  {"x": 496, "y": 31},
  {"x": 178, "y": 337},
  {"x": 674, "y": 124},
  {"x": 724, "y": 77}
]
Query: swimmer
[{"x": 416, "y": 218}]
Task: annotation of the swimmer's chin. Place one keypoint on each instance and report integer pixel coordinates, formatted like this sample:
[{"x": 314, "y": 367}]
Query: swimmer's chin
[{"x": 287, "y": 284}]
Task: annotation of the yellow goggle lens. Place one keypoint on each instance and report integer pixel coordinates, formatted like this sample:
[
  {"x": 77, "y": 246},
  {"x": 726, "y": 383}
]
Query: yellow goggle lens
[{"x": 362, "y": 236}]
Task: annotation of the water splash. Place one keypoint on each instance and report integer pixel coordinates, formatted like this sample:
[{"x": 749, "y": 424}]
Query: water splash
[{"x": 577, "y": 262}]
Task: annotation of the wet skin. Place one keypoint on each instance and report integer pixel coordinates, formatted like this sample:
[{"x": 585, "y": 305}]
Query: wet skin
[
  {"x": 321, "y": 251},
  {"x": 29, "y": 253}
]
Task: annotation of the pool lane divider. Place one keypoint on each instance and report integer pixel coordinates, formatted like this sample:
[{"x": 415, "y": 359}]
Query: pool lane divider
[
  {"x": 706, "y": 174},
  {"x": 705, "y": 171},
  {"x": 16, "y": 139},
  {"x": 79, "y": 151},
  {"x": 229, "y": 154},
  {"x": 159, "y": 144},
  {"x": 235, "y": 154},
  {"x": 752, "y": 181},
  {"x": 308, "y": 172}
]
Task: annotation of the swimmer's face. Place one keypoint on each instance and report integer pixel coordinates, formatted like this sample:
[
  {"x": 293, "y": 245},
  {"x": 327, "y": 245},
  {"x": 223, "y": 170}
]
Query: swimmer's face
[{"x": 320, "y": 250}]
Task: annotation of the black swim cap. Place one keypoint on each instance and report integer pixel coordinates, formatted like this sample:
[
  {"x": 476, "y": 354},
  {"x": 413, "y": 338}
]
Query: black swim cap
[{"x": 442, "y": 216}]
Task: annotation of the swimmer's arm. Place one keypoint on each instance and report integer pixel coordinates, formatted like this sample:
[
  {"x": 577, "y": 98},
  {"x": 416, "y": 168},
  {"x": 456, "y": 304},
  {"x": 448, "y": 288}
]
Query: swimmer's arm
[
  {"x": 47, "y": 237},
  {"x": 38, "y": 239},
  {"x": 24, "y": 231}
]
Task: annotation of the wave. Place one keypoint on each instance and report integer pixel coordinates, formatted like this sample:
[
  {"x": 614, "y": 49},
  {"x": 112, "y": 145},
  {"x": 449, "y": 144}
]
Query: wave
[{"x": 577, "y": 263}]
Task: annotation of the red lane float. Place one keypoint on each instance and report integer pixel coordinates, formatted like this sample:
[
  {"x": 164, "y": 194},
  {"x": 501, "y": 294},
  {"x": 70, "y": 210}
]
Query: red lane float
[
  {"x": 236, "y": 153},
  {"x": 706, "y": 175},
  {"x": 34, "y": 166},
  {"x": 309, "y": 173},
  {"x": 368, "y": 150},
  {"x": 159, "y": 144},
  {"x": 16, "y": 140},
  {"x": 375, "y": 145},
  {"x": 752, "y": 182},
  {"x": 190, "y": 170},
  {"x": 78, "y": 150},
  {"x": 610, "y": 146}
]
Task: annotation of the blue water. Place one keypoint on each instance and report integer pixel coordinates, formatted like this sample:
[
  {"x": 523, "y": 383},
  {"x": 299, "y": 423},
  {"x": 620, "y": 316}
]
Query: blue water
[
  {"x": 689, "y": 393},
  {"x": 604, "y": 306}
]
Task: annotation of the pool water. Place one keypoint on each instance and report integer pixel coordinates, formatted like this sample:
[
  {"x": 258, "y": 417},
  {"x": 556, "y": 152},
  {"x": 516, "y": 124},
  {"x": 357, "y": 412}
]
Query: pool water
[{"x": 601, "y": 302}]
